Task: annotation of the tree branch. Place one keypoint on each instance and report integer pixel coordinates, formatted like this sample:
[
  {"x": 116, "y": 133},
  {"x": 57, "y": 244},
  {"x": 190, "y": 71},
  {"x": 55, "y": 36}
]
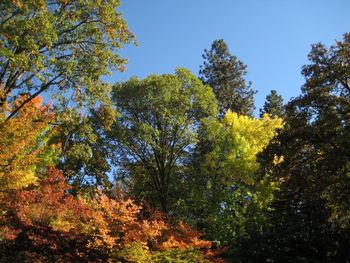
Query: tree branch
[{"x": 43, "y": 88}]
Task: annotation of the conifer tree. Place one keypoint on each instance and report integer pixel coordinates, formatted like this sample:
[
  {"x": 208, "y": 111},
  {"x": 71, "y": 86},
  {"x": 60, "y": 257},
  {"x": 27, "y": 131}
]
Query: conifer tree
[
  {"x": 226, "y": 75},
  {"x": 273, "y": 105},
  {"x": 310, "y": 220}
]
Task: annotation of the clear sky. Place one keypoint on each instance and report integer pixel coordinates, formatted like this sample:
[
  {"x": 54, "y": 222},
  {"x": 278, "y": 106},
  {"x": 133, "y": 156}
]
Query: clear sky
[{"x": 272, "y": 37}]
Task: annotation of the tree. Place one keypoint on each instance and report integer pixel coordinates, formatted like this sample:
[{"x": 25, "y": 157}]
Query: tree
[
  {"x": 312, "y": 206},
  {"x": 326, "y": 101},
  {"x": 273, "y": 105},
  {"x": 226, "y": 75},
  {"x": 229, "y": 196},
  {"x": 52, "y": 43},
  {"x": 23, "y": 143},
  {"x": 44, "y": 222},
  {"x": 84, "y": 156},
  {"x": 156, "y": 130},
  {"x": 45, "y": 49}
]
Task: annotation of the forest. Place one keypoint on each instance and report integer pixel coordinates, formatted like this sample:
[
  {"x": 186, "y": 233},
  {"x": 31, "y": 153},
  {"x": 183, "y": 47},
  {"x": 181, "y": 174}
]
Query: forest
[{"x": 171, "y": 168}]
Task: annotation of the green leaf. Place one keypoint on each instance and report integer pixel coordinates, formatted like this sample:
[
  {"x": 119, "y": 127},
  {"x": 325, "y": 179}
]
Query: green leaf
[{"x": 7, "y": 53}]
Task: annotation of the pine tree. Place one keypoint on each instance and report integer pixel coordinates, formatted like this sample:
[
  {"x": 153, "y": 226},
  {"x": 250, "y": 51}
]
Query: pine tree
[
  {"x": 226, "y": 75},
  {"x": 273, "y": 105}
]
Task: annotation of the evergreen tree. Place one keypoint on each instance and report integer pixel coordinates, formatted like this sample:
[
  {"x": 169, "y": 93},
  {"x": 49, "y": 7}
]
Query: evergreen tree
[
  {"x": 310, "y": 215},
  {"x": 226, "y": 75},
  {"x": 273, "y": 105}
]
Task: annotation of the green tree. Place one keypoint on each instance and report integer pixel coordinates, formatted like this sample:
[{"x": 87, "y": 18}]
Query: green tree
[
  {"x": 156, "y": 130},
  {"x": 226, "y": 75},
  {"x": 59, "y": 46},
  {"x": 310, "y": 220},
  {"x": 84, "y": 156},
  {"x": 62, "y": 49},
  {"x": 273, "y": 105}
]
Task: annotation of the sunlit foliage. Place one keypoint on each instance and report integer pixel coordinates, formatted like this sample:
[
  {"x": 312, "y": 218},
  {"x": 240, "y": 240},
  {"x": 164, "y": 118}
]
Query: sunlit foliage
[
  {"x": 231, "y": 193},
  {"x": 22, "y": 143}
]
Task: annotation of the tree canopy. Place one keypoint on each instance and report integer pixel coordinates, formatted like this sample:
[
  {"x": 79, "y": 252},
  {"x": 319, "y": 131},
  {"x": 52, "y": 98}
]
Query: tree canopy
[
  {"x": 52, "y": 43},
  {"x": 273, "y": 105},
  {"x": 22, "y": 148},
  {"x": 198, "y": 179},
  {"x": 226, "y": 75},
  {"x": 157, "y": 128},
  {"x": 229, "y": 191},
  {"x": 312, "y": 204}
]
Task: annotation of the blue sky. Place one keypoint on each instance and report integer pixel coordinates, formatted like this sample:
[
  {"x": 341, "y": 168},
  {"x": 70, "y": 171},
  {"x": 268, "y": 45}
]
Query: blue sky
[{"x": 272, "y": 37}]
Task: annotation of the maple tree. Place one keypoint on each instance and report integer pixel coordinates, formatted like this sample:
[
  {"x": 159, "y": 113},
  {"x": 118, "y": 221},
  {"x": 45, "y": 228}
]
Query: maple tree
[
  {"x": 22, "y": 143},
  {"x": 122, "y": 227},
  {"x": 43, "y": 221}
]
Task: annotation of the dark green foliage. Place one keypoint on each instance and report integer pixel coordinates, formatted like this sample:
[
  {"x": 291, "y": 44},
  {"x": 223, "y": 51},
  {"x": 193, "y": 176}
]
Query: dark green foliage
[
  {"x": 226, "y": 75},
  {"x": 273, "y": 105},
  {"x": 179, "y": 256},
  {"x": 310, "y": 217},
  {"x": 84, "y": 157},
  {"x": 135, "y": 253}
]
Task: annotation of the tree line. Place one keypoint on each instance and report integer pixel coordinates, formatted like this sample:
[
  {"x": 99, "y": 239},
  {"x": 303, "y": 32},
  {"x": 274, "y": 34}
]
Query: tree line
[{"x": 169, "y": 168}]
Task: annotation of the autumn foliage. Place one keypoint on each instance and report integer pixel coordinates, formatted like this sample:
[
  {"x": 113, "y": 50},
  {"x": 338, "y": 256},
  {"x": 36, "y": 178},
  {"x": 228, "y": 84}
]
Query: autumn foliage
[
  {"x": 21, "y": 151},
  {"x": 43, "y": 222}
]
